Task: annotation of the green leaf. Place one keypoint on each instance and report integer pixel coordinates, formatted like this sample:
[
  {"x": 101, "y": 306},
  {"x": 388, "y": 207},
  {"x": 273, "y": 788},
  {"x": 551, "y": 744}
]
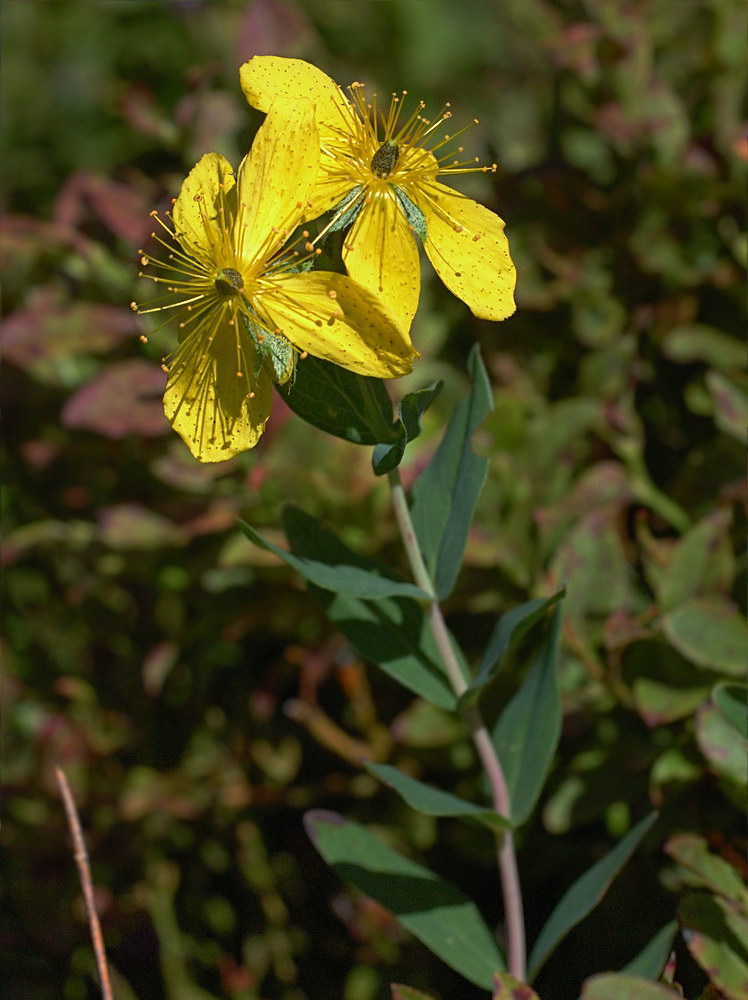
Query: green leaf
[
  {"x": 686, "y": 344},
  {"x": 388, "y": 455},
  {"x": 445, "y": 494},
  {"x": 722, "y": 745},
  {"x": 433, "y": 801},
  {"x": 392, "y": 632},
  {"x": 711, "y": 633},
  {"x": 349, "y": 406},
  {"x": 731, "y": 700},
  {"x": 337, "y": 568},
  {"x": 433, "y": 910},
  {"x": 665, "y": 686},
  {"x": 528, "y": 730},
  {"x": 395, "y": 634},
  {"x": 584, "y": 895},
  {"x": 730, "y": 405},
  {"x": 710, "y": 870},
  {"x": 593, "y": 564},
  {"x": 716, "y": 934},
  {"x": 702, "y": 564},
  {"x": 650, "y": 962},
  {"x": 614, "y": 986},
  {"x": 509, "y": 630}
]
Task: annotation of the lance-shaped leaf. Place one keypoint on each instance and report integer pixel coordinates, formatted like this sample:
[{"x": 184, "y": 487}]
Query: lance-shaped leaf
[
  {"x": 508, "y": 631},
  {"x": 651, "y": 960},
  {"x": 395, "y": 634},
  {"x": 350, "y": 406},
  {"x": 585, "y": 894},
  {"x": 334, "y": 566},
  {"x": 433, "y": 801},
  {"x": 392, "y": 632},
  {"x": 388, "y": 455},
  {"x": 437, "y": 913},
  {"x": 527, "y": 733},
  {"x": 445, "y": 494}
]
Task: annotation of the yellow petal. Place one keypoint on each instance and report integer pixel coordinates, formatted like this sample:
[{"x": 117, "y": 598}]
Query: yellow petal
[
  {"x": 275, "y": 179},
  {"x": 329, "y": 191},
  {"x": 205, "y": 207},
  {"x": 334, "y": 318},
  {"x": 207, "y": 402},
  {"x": 381, "y": 253},
  {"x": 473, "y": 262},
  {"x": 266, "y": 78}
]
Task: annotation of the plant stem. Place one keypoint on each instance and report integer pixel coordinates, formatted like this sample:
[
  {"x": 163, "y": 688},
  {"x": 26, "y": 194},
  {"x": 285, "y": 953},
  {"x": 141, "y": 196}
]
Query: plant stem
[
  {"x": 510, "y": 884},
  {"x": 84, "y": 870}
]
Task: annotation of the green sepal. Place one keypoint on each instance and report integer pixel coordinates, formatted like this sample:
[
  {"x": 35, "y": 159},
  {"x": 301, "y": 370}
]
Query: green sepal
[
  {"x": 349, "y": 216},
  {"x": 273, "y": 351},
  {"x": 415, "y": 217},
  {"x": 388, "y": 455}
]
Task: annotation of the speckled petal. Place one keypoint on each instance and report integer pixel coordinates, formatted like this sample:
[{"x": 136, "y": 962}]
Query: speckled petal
[
  {"x": 204, "y": 210},
  {"x": 381, "y": 253},
  {"x": 469, "y": 251},
  {"x": 334, "y": 318},
  {"x": 207, "y": 402},
  {"x": 266, "y": 78},
  {"x": 329, "y": 191},
  {"x": 275, "y": 179}
]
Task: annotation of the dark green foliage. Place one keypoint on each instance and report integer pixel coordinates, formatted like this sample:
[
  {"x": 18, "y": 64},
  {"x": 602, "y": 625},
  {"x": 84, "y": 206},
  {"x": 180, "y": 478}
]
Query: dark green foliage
[
  {"x": 339, "y": 402},
  {"x": 432, "y": 909},
  {"x": 446, "y": 493}
]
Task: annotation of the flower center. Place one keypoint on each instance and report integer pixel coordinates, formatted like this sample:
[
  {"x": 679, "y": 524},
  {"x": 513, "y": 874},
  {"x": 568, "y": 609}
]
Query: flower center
[
  {"x": 228, "y": 281},
  {"x": 384, "y": 160}
]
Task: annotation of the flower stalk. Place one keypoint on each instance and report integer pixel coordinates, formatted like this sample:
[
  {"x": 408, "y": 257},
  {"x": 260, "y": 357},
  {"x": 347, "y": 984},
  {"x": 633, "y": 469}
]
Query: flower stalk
[{"x": 507, "y": 858}]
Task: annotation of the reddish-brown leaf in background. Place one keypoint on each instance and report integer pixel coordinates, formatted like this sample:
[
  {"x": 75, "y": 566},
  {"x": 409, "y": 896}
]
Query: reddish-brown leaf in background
[
  {"x": 47, "y": 331},
  {"x": 123, "y": 399}
]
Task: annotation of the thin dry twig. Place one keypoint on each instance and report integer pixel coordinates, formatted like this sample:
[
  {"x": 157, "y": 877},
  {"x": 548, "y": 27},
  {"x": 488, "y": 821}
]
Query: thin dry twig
[{"x": 84, "y": 870}]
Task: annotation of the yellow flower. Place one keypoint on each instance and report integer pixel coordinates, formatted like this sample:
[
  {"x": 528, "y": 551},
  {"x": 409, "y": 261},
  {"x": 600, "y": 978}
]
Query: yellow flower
[
  {"x": 247, "y": 307},
  {"x": 381, "y": 168}
]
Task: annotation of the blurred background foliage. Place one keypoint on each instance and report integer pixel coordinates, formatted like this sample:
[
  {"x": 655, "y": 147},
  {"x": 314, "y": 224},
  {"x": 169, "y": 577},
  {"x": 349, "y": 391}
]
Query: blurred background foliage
[{"x": 194, "y": 693}]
